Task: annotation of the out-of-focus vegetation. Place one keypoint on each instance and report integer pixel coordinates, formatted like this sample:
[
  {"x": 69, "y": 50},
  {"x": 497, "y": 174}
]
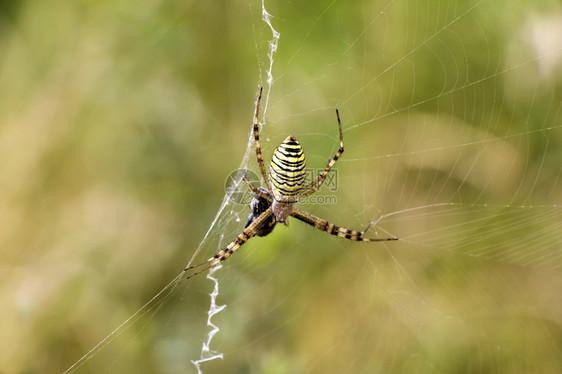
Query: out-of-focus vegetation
[{"x": 119, "y": 122}]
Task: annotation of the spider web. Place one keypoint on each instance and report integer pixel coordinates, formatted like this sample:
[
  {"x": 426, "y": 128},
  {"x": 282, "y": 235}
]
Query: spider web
[{"x": 452, "y": 127}]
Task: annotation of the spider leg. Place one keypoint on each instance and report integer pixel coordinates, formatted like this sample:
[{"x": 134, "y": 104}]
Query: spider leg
[
  {"x": 257, "y": 140},
  {"x": 256, "y": 190},
  {"x": 323, "y": 225},
  {"x": 226, "y": 252},
  {"x": 317, "y": 182}
]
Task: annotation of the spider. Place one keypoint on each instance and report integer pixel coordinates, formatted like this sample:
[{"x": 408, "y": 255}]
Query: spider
[{"x": 285, "y": 187}]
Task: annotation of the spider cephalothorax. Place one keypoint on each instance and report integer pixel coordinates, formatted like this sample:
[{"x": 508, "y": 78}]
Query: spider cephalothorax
[{"x": 284, "y": 187}]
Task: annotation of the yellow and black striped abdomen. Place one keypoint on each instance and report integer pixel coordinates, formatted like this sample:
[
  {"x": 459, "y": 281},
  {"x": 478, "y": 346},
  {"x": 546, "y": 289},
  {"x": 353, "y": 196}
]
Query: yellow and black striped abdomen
[{"x": 287, "y": 169}]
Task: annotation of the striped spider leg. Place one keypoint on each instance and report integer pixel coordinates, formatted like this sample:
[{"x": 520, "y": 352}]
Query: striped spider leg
[
  {"x": 323, "y": 225},
  {"x": 252, "y": 229},
  {"x": 284, "y": 187},
  {"x": 256, "y": 130},
  {"x": 312, "y": 220}
]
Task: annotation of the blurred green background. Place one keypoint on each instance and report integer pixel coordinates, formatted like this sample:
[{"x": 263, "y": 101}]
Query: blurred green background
[{"x": 120, "y": 122}]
